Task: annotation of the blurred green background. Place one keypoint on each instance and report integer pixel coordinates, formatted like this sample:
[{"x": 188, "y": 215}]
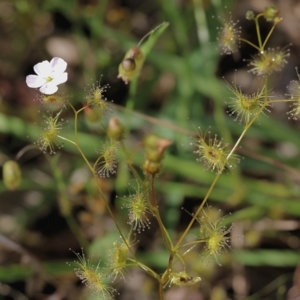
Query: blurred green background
[{"x": 181, "y": 88}]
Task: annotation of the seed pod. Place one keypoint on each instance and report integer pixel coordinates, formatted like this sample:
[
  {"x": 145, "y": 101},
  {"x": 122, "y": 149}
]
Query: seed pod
[
  {"x": 131, "y": 65},
  {"x": 128, "y": 64},
  {"x": 11, "y": 175}
]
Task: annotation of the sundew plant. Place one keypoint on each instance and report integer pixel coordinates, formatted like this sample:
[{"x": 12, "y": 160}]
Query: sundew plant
[{"x": 156, "y": 205}]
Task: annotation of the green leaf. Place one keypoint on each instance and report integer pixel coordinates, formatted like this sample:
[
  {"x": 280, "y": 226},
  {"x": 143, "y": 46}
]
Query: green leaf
[
  {"x": 274, "y": 258},
  {"x": 153, "y": 37}
]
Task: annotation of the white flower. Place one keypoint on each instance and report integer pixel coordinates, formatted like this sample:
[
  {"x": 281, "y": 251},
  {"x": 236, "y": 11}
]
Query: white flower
[{"x": 49, "y": 75}]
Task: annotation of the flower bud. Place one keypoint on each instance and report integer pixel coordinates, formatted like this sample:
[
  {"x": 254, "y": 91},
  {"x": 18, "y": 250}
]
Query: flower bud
[
  {"x": 270, "y": 13},
  {"x": 154, "y": 155},
  {"x": 115, "y": 130},
  {"x": 156, "y": 143},
  {"x": 249, "y": 15},
  {"x": 11, "y": 175},
  {"x": 151, "y": 141},
  {"x": 92, "y": 115}
]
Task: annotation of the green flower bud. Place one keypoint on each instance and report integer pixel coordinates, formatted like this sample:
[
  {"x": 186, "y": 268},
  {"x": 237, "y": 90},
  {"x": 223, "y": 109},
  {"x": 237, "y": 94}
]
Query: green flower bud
[
  {"x": 151, "y": 141},
  {"x": 270, "y": 13},
  {"x": 249, "y": 15},
  {"x": 155, "y": 147},
  {"x": 11, "y": 175},
  {"x": 156, "y": 143}
]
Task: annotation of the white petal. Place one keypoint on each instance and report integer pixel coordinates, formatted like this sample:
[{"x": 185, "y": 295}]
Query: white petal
[
  {"x": 58, "y": 65},
  {"x": 43, "y": 69},
  {"x": 60, "y": 78},
  {"x": 49, "y": 88},
  {"x": 34, "y": 81}
]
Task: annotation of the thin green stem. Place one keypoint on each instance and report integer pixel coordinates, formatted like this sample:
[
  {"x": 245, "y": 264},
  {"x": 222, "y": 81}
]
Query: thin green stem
[
  {"x": 65, "y": 139},
  {"x": 217, "y": 177},
  {"x": 249, "y": 43},
  {"x": 194, "y": 243},
  {"x": 164, "y": 232},
  {"x": 76, "y": 230},
  {"x": 146, "y": 268},
  {"x": 132, "y": 92},
  {"x": 96, "y": 179},
  {"x": 268, "y": 36},
  {"x": 161, "y": 292},
  {"x": 181, "y": 259},
  {"x": 64, "y": 204},
  {"x": 239, "y": 139},
  {"x": 198, "y": 211},
  {"x": 149, "y": 33},
  {"x": 24, "y": 150},
  {"x": 129, "y": 164},
  {"x": 258, "y": 32}
]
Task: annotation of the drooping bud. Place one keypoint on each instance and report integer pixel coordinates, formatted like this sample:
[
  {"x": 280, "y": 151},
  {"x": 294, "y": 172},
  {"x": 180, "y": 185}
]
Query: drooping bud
[
  {"x": 11, "y": 175},
  {"x": 131, "y": 65}
]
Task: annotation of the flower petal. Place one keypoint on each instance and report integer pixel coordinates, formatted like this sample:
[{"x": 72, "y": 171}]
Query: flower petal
[
  {"x": 59, "y": 78},
  {"x": 49, "y": 88},
  {"x": 43, "y": 68},
  {"x": 58, "y": 65},
  {"x": 34, "y": 81}
]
